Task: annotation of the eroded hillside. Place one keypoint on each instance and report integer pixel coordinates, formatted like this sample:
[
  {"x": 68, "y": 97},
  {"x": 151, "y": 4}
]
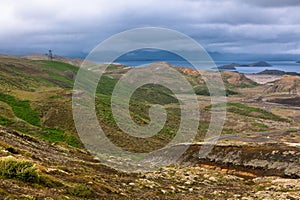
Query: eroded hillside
[{"x": 257, "y": 155}]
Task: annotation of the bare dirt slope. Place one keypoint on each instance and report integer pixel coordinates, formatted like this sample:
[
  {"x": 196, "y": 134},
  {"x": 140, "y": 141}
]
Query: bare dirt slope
[{"x": 285, "y": 84}]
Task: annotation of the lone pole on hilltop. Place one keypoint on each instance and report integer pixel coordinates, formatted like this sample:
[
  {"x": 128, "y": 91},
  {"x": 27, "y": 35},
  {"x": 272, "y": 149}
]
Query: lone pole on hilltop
[{"x": 50, "y": 56}]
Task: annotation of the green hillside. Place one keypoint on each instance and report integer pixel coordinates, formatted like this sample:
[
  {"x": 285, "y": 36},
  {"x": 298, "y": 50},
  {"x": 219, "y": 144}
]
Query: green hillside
[
  {"x": 41, "y": 154},
  {"x": 36, "y": 99}
]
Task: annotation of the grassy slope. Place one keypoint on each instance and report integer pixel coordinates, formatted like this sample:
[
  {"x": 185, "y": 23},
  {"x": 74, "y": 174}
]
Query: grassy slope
[
  {"x": 43, "y": 103},
  {"x": 42, "y": 79},
  {"x": 48, "y": 116}
]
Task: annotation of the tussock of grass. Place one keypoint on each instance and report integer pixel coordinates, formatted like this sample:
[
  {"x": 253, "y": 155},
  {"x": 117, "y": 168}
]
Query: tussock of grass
[
  {"x": 24, "y": 170},
  {"x": 82, "y": 191},
  {"x": 259, "y": 125},
  {"x": 49, "y": 182},
  {"x": 55, "y": 97},
  {"x": 291, "y": 130}
]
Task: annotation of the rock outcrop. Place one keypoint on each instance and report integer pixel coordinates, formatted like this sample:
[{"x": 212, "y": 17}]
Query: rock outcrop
[
  {"x": 285, "y": 84},
  {"x": 237, "y": 80},
  {"x": 254, "y": 159}
]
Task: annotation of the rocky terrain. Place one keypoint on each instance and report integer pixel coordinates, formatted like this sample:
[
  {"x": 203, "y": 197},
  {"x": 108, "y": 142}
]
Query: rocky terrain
[
  {"x": 289, "y": 84},
  {"x": 70, "y": 173},
  {"x": 263, "y": 78},
  {"x": 42, "y": 157}
]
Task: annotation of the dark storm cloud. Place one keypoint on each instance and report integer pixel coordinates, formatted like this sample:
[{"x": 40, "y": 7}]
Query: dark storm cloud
[
  {"x": 274, "y": 3},
  {"x": 267, "y": 26}
]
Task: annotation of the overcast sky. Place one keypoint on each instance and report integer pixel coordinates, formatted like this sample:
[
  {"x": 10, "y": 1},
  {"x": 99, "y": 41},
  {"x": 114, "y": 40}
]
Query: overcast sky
[{"x": 77, "y": 26}]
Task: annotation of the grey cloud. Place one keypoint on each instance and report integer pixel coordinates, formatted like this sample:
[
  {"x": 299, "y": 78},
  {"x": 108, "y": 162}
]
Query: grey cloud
[
  {"x": 225, "y": 26},
  {"x": 273, "y": 3}
]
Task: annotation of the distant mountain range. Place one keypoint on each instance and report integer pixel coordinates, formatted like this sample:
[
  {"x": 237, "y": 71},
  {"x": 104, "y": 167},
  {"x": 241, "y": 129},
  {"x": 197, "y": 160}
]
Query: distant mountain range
[{"x": 161, "y": 55}]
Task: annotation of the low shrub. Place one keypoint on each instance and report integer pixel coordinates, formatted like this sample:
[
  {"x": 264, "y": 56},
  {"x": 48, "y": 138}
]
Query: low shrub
[
  {"x": 49, "y": 181},
  {"x": 259, "y": 125},
  {"x": 24, "y": 170},
  {"x": 291, "y": 130},
  {"x": 82, "y": 191}
]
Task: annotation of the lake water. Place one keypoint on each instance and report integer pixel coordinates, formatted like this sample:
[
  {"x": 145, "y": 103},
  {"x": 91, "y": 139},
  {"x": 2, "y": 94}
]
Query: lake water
[{"x": 287, "y": 66}]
